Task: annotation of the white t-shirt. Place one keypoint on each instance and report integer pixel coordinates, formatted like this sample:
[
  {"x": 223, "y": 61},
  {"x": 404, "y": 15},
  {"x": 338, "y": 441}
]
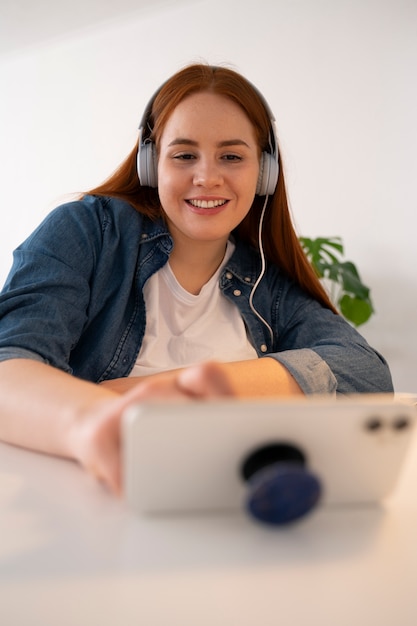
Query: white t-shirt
[{"x": 184, "y": 329}]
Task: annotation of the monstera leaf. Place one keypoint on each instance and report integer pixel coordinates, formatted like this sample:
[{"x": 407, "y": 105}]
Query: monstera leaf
[{"x": 348, "y": 293}]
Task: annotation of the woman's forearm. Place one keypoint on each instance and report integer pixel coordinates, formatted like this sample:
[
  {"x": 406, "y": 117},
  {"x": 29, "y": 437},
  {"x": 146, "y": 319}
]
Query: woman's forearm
[
  {"x": 261, "y": 377},
  {"x": 252, "y": 378},
  {"x": 39, "y": 405}
]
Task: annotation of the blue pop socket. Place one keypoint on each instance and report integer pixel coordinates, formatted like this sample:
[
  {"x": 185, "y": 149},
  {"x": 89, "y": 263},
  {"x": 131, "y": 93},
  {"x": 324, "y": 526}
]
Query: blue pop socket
[
  {"x": 280, "y": 487},
  {"x": 282, "y": 493}
]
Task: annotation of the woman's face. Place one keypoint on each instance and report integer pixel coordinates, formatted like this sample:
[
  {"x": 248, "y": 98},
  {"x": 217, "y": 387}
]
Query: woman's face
[{"x": 208, "y": 168}]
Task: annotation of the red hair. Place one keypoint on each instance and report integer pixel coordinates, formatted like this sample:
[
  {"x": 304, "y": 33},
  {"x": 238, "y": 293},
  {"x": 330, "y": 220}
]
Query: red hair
[{"x": 281, "y": 244}]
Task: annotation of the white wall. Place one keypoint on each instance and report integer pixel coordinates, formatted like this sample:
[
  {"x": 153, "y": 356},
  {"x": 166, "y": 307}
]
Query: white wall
[{"x": 340, "y": 76}]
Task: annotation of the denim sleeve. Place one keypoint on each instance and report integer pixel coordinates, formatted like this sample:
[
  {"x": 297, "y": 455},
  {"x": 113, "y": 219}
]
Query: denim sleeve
[
  {"x": 44, "y": 302},
  {"x": 323, "y": 352},
  {"x": 10, "y": 352},
  {"x": 310, "y": 371}
]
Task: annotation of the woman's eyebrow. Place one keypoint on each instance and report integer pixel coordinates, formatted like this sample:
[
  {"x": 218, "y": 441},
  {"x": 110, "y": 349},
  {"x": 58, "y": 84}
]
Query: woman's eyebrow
[
  {"x": 233, "y": 142},
  {"x": 221, "y": 144},
  {"x": 181, "y": 141}
]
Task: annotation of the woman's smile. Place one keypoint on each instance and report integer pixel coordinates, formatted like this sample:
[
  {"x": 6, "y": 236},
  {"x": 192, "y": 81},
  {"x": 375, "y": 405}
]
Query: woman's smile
[{"x": 207, "y": 206}]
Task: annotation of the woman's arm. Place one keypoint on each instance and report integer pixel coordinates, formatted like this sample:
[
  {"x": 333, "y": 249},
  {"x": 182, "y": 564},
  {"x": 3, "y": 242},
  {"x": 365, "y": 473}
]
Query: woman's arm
[
  {"x": 39, "y": 405},
  {"x": 246, "y": 379},
  {"x": 45, "y": 409}
]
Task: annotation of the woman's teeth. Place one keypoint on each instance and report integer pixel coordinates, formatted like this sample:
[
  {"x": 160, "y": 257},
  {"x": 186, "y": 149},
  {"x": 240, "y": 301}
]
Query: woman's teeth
[{"x": 207, "y": 204}]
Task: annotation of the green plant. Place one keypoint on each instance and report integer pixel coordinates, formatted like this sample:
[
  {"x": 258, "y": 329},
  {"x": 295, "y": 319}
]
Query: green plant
[{"x": 346, "y": 290}]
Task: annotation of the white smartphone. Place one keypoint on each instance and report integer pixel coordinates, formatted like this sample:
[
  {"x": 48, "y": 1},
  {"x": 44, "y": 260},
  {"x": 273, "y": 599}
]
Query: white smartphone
[{"x": 193, "y": 456}]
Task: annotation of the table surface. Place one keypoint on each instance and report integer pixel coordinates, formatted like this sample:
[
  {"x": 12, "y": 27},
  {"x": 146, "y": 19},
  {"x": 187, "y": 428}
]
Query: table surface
[{"x": 71, "y": 554}]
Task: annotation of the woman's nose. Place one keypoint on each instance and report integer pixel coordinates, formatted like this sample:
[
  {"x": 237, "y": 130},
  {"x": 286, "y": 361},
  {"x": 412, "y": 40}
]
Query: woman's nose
[{"x": 207, "y": 174}]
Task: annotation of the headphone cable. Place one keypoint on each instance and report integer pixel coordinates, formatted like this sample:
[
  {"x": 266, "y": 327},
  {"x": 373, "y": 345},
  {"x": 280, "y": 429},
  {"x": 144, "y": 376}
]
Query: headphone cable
[{"x": 263, "y": 268}]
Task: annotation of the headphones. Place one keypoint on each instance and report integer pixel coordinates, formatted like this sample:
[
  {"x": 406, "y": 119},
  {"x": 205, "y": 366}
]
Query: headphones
[{"x": 147, "y": 165}]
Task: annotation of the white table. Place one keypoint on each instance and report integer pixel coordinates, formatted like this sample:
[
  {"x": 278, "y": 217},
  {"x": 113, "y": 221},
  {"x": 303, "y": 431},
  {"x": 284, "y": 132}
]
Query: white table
[{"x": 71, "y": 554}]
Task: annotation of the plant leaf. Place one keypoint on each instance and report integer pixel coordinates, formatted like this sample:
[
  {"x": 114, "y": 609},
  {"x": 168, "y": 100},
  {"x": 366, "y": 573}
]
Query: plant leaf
[
  {"x": 322, "y": 249},
  {"x": 355, "y": 310},
  {"x": 326, "y": 257},
  {"x": 351, "y": 281}
]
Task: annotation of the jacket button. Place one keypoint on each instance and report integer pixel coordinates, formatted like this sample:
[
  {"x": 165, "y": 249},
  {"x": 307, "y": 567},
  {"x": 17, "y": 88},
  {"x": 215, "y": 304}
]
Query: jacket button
[
  {"x": 237, "y": 292},
  {"x": 229, "y": 275},
  {"x": 263, "y": 348},
  {"x": 247, "y": 279}
]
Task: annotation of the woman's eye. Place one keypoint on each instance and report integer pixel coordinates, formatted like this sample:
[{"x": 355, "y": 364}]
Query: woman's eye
[
  {"x": 184, "y": 157},
  {"x": 232, "y": 157}
]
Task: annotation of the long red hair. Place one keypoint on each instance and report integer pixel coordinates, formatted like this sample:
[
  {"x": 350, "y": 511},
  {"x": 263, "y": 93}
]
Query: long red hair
[{"x": 280, "y": 241}]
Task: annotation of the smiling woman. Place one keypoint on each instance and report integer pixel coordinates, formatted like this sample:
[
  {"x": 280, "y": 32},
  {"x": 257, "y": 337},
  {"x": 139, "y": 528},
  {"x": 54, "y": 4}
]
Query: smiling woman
[{"x": 180, "y": 277}]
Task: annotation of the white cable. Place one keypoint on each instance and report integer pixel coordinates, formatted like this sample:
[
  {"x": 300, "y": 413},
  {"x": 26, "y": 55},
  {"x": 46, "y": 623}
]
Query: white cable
[{"x": 263, "y": 267}]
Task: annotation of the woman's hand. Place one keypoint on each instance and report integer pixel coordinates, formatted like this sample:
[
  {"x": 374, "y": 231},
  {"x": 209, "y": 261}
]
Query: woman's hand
[
  {"x": 96, "y": 435},
  {"x": 207, "y": 380},
  {"x": 195, "y": 381},
  {"x": 97, "y": 441}
]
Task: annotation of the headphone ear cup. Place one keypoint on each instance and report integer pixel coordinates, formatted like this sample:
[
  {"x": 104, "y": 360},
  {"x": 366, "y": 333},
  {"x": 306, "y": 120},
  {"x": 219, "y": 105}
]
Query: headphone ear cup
[
  {"x": 268, "y": 175},
  {"x": 147, "y": 165}
]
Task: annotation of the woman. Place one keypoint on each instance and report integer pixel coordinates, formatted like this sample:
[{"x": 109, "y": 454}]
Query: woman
[{"x": 180, "y": 277}]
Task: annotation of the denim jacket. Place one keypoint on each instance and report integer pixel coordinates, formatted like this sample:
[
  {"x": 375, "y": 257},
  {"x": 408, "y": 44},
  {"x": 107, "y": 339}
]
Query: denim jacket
[{"x": 74, "y": 299}]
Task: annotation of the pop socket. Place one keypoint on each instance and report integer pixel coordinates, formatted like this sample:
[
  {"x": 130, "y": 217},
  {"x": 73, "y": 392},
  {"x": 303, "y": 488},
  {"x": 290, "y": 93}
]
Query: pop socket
[{"x": 280, "y": 487}]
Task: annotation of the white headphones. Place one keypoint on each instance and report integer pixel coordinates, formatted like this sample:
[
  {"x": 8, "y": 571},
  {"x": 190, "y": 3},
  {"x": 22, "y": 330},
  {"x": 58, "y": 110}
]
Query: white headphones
[{"x": 147, "y": 165}]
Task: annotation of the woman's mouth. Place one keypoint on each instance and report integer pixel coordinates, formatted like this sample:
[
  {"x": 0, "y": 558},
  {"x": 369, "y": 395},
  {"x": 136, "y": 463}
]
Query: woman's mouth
[{"x": 207, "y": 204}]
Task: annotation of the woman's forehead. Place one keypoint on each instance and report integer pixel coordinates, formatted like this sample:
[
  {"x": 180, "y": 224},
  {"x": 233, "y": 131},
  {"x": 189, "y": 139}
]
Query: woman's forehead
[{"x": 210, "y": 113}]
